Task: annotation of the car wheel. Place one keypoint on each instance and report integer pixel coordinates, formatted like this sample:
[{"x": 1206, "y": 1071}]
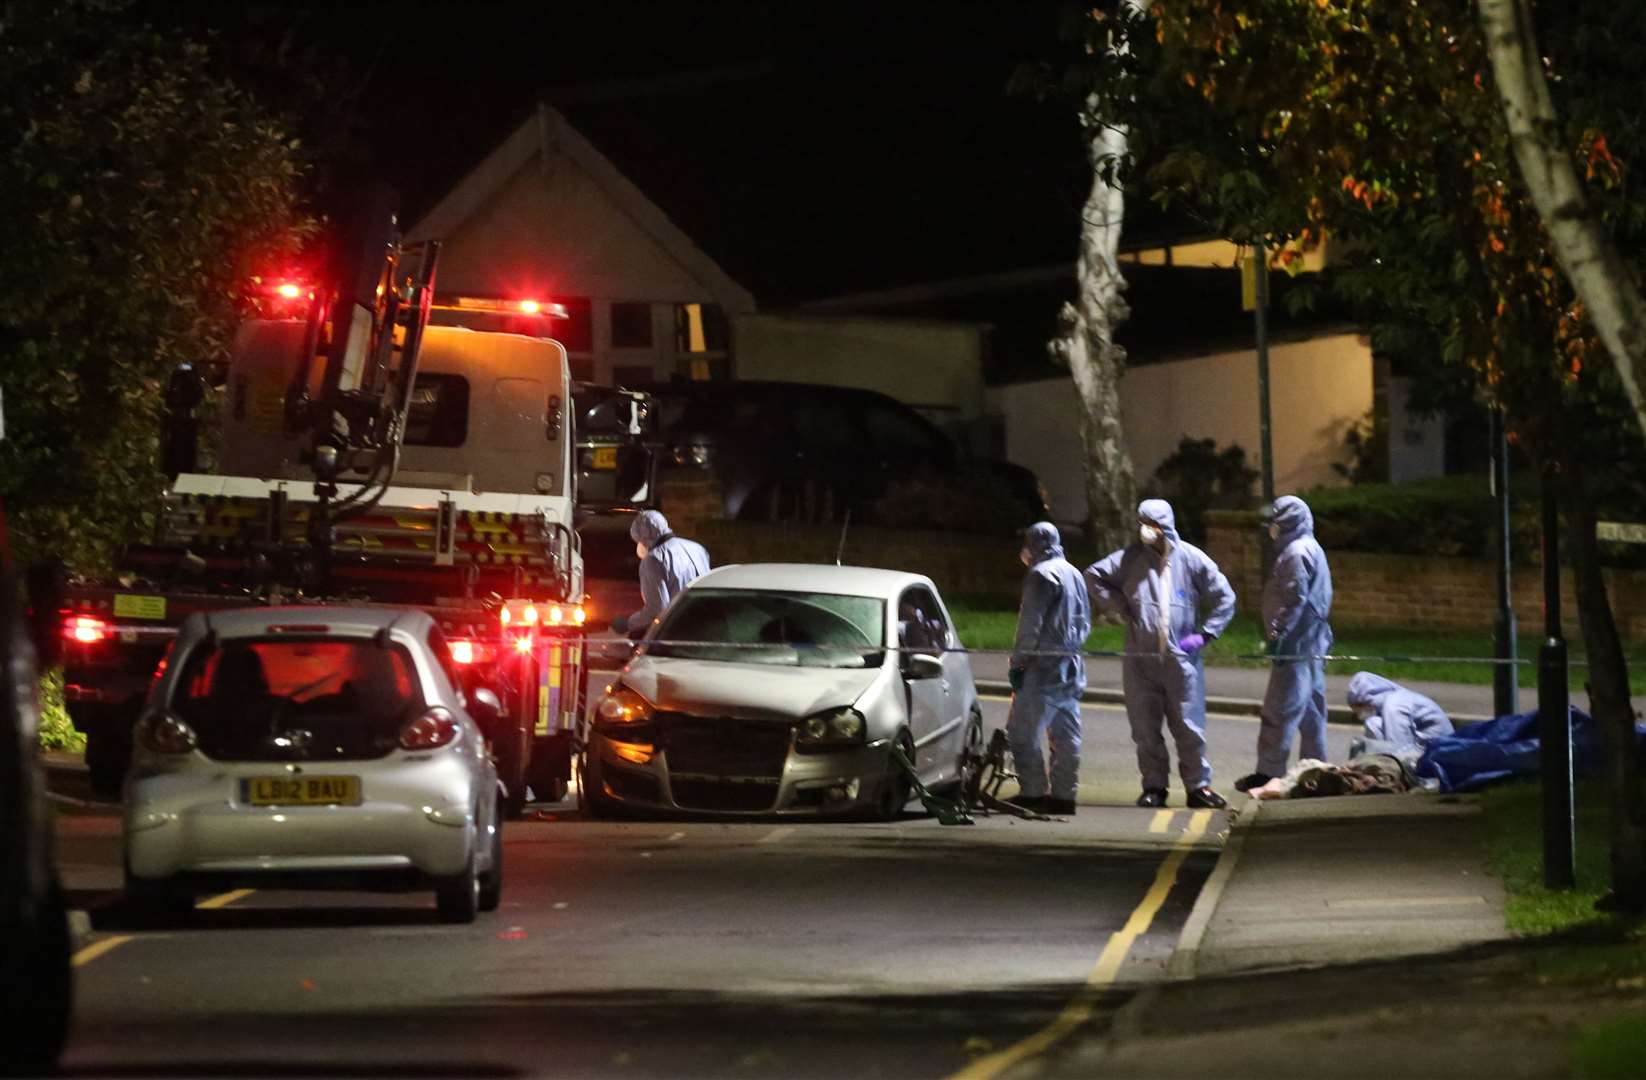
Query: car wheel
[
  {"x": 895, "y": 789},
  {"x": 491, "y": 883},
  {"x": 457, "y": 898},
  {"x": 969, "y": 767},
  {"x": 153, "y": 905}
]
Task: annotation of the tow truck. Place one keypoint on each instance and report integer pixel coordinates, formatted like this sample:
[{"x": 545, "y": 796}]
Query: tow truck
[{"x": 365, "y": 453}]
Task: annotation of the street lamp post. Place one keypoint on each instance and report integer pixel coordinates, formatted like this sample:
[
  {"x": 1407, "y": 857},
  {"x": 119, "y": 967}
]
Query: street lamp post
[
  {"x": 1553, "y": 707},
  {"x": 1506, "y": 677},
  {"x": 1260, "y": 319}
]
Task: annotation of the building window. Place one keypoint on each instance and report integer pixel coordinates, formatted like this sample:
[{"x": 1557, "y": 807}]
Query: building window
[
  {"x": 701, "y": 336},
  {"x": 439, "y": 413},
  {"x": 631, "y": 325},
  {"x": 576, "y": 330}
]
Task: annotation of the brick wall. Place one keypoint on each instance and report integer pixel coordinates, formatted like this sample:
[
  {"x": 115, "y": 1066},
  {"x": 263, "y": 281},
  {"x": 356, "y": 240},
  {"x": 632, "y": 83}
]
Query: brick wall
[{"x": 1429, "y": 593}]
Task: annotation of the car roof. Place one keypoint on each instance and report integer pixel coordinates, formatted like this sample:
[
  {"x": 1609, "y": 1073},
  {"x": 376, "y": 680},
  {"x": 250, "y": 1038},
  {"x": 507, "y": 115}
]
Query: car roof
[
  {"x": 813, "y": 577},
  {"x": 347, "y": 620},
  {"x": 757, "y": 388}
]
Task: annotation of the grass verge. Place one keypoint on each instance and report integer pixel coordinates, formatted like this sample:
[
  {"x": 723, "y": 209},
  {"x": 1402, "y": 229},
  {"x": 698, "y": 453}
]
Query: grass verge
[
  {"x": 1583, "y": 946},
  {"x": 987, "y": 626}
]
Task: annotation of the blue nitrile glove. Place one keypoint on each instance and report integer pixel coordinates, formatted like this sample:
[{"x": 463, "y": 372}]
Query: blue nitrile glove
[
  {"x": 620, "y": 625},
  {"x": 1192, "y": 643},
  {"x": 1015, "y": 677}
]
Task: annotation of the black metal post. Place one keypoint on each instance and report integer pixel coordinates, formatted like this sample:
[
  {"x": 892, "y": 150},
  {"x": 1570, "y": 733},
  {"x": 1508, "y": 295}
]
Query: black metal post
[
  {"x": 1553, "y": 707},
  {"x": 1506, "y": 678},
  {"x": 1260, "y": 318}
]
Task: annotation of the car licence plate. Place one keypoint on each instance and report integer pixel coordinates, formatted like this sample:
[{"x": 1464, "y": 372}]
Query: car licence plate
[
  {"x": 605, "y": 457},
  {"x": 300, "y": 790}
]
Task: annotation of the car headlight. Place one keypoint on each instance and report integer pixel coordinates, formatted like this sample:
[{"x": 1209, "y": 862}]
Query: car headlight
[
  {"x": 833, "y": 728},
  {"x": 620, "y": 706}
]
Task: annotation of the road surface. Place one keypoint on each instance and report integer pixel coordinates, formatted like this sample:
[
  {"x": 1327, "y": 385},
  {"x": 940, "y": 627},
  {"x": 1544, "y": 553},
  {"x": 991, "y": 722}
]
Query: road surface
[{"x": 670, "y": 948}]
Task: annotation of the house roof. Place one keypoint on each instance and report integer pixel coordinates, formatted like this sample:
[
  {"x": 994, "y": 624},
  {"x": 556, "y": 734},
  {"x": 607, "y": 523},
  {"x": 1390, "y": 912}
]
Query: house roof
[{"x": 544, "y": 133}]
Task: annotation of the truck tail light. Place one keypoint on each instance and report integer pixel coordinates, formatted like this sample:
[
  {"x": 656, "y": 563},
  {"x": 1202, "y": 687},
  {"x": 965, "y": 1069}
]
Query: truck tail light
[
  {"x": 163, "y": 733},
  {"x": 85, "y": 629},
  {"x": 434, "y": 729},
  {"x": 580, "y": 615},
  {"x": 468, "y": 651}
]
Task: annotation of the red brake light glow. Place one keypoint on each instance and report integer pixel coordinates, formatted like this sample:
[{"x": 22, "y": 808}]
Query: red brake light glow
[
  {"x": 523, "y": 644},
  {"x": 289, "y": 291},
  {"x": 85, "y": 629},
  {"x": 530, "y": 307},
  {"x": 462, "y": 651}
]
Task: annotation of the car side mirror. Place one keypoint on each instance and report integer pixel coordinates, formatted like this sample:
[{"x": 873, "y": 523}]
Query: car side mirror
[
  {"x": 486, "y": 708},
  {"x": 922, "y": 666}
]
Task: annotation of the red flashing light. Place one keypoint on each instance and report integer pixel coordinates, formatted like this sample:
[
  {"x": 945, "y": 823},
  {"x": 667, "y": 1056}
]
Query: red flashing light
[
  {"x": 85, "y": 629},
  {"x": 530, "y": 307},
  {"x": 522, "y": 644},
  {"x": 289, "y": 290}
]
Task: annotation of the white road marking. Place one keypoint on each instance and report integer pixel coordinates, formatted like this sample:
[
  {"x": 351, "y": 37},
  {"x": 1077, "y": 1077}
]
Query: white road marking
[
  {"x": 776, "y": 834},
  {"x": 676, "y": 836}
]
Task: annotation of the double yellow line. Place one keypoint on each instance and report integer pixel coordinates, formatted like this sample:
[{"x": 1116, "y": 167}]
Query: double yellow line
[
  {"x": 107, "y": 945},
  {"x": 1081, "y": 1007}
]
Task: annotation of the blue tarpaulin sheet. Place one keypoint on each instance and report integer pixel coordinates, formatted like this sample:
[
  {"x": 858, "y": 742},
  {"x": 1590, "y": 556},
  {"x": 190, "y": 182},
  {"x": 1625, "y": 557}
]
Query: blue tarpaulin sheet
[{"x": 1507, "y": 748}]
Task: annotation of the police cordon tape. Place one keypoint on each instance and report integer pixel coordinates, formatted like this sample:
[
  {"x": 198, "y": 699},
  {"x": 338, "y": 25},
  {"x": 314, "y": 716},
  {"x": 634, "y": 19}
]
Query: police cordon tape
[{"x": 1105, "y": 654}]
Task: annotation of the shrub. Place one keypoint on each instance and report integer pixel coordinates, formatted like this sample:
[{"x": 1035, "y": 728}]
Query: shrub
[{"x": 1199, "y": 477}]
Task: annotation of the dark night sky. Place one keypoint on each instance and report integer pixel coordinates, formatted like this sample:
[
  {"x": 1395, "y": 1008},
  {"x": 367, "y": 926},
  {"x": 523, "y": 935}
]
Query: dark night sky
[{"x": 812, "y": 147}]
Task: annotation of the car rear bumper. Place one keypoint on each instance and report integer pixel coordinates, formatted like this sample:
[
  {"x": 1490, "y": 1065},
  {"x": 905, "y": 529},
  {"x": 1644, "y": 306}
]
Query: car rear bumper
[{"x": 419, "y": 822}]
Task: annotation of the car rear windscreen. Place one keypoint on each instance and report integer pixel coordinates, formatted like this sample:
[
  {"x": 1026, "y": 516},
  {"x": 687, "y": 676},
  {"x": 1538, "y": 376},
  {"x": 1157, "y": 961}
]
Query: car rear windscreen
[{"x": 297, "y": 699}]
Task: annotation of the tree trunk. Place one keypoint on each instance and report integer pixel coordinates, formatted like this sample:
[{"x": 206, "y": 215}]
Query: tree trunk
[
  {"x": 1582, "y": 244},
  {"x": 1608, "y": 694},
  {"x": 1086, "y": 342}
]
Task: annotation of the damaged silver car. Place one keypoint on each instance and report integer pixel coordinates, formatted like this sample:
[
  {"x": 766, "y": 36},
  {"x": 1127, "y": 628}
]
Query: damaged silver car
[{"x": 778, "y": 689}]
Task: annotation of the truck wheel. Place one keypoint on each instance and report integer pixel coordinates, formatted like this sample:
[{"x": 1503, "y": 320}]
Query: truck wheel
[
  {"x": 511, "y": 769},
  {"x": 108, "y": 755}
]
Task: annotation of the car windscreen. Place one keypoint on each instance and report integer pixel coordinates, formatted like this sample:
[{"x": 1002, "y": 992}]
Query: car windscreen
[
  {"x": 294, "y": 697},
  {"x": 771, "y": 627}
]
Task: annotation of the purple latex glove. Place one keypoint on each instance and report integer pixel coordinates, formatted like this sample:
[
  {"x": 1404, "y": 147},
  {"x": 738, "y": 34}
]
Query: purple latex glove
[{"x": 1192, "y": 643}]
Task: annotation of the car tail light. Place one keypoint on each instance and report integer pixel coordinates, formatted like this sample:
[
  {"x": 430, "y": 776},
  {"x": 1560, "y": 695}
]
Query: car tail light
[
  {"x": 85, "y": 629},
  {"x": 435, "y": 728},
  {"x": 163, "y": 733}
]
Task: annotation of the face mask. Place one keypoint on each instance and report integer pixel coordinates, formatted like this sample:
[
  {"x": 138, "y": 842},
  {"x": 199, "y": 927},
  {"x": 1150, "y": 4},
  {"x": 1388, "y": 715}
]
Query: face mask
[
  {"x": 640, "y": 551},
  {"x": 1149, "y": 535},
  {"x": 1274, "y": 532},
  {"x": 1027, "y": 559}
]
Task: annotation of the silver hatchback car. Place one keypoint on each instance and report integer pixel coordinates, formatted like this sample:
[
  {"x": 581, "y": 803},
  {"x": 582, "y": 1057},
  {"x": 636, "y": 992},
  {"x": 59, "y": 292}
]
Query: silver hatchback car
[
  {"x": 782, "y": 689},
  {"x": 311, "y": 747}
]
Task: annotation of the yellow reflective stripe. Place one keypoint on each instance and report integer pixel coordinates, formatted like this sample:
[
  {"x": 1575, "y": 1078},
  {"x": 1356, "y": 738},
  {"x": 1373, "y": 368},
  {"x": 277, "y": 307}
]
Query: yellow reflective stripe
[{"x": 542, "y": 710}]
